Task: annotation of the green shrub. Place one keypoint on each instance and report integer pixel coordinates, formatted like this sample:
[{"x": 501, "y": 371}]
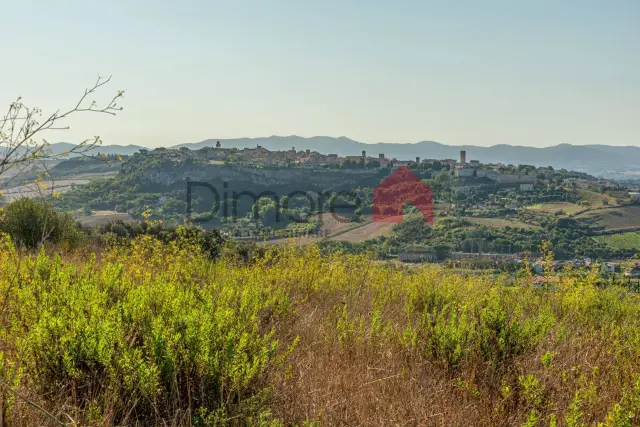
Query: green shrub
[
  {"x": 30, "y": 222},
  {"x": 210, "y": 241}
]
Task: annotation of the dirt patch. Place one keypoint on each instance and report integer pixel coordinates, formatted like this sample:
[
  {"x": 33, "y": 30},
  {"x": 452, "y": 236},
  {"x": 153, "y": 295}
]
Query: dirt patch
[
  {"x": 332, "y": 223},
  {"x": 367, "y": 231}
]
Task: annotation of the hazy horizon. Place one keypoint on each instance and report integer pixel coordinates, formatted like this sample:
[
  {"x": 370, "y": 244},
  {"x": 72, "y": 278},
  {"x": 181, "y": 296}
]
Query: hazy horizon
[
  {"x": 463, "y": 73},
  {"x": 212, "y": 140}
]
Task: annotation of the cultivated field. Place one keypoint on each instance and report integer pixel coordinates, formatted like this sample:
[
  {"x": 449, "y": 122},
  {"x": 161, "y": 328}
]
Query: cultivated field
[
  {"x": 629, "y": 240},
  {"x": 332, "y": 225},
  {"x": 622, "y": 218},
  {"x": 368, "y": 230},
  {"x": 565, "y": 207},
  {"x": 93, "y": 175},
  {"x": 44, "y": 188},
  {"x": 499, "y": 223},
  {"x": 102, "y": 217},
  {"x": 340, "y": 228}
]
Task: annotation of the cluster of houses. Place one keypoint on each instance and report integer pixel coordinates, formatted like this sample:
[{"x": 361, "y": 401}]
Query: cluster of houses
[
  {"x": 467, "y": 174},
  {"x": 419, "y": 254},
  {"x": 473, "y": 173},
  {"x": 261, "y": 156},
  {"x": 607, "y": 267}
]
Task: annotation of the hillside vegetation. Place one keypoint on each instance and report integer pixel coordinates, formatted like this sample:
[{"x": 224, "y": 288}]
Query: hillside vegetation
[
  {"x": 151, "y": 333},
  {"x": 500, "y": 223}
]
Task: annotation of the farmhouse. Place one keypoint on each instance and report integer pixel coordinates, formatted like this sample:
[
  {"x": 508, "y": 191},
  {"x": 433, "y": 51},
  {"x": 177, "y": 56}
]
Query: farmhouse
[
  {"x": 610, "y": 267},
  {"x": 418, "y": 254}
]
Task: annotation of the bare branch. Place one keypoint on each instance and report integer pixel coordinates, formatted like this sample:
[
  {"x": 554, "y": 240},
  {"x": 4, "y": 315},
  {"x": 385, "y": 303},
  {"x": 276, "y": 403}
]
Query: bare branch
[{"x": 22, "y": 126}]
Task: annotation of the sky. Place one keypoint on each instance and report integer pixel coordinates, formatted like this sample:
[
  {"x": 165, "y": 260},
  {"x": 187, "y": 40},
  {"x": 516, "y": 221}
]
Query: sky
[{"x": 535, "y": 73}]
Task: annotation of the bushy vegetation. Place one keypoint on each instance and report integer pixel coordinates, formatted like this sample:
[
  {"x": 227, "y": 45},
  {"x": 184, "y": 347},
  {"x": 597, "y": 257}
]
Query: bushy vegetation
[
  {"x": 31, "y": 222},
  {"x": 152, "y": 332},
  {"x": 568, "y": 238},
  {"x": 120, "y": 232}
]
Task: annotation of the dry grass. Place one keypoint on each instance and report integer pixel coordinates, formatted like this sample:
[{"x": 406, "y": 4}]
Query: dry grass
[
  {"x": 371, "y": 382},
  {"x": 365, "y": 383}
]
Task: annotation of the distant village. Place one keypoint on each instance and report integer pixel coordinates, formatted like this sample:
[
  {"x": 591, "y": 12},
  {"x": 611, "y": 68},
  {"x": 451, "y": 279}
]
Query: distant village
[{"x": 470, "y": 174}]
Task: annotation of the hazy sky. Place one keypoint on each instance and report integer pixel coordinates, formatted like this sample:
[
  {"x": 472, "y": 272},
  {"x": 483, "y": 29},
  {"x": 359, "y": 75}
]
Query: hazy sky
[{"x": 458, "y": 72}]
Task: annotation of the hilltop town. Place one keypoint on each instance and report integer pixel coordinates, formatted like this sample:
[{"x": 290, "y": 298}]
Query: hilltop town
[{"x": 469, "y": 174}]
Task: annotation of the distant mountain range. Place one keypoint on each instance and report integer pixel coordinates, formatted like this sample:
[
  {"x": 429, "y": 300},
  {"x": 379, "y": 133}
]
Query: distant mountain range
[{"x": 595, "y": 159}]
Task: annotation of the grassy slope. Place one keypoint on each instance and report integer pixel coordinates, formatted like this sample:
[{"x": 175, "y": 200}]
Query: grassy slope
[
  {"x": 596, "y": 199},
  {"x": 567, "y": 208},
  {"x": 159, "y": 335}
]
